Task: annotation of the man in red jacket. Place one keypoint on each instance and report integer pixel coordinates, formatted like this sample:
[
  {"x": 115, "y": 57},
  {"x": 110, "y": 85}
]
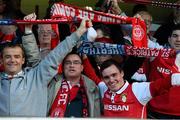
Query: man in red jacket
[{"x": 167, "y": 105}]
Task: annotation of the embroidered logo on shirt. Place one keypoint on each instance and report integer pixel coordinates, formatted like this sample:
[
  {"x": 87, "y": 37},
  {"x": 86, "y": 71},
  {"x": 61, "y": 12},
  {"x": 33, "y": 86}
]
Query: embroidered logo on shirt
[{"x": 124, "y": 97}]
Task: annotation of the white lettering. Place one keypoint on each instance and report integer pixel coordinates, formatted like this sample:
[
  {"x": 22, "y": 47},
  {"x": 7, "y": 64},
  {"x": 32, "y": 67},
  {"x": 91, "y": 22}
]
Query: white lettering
[
  {"x": 62, "y": 100},
  {"x": 164, "y": 70},
  {"x": 117, "y": 107}
]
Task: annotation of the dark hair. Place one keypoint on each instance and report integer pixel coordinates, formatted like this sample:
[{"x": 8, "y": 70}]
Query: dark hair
[
  {"x": 139, "y": 7},
  {"x": 106, "y": 31},
  {"x": 175, "y": 27},
  {"x": 12, "y": 45},
  {"x": 108, "y": 63},
  {"x": 98, "y": 5},
  {"x": 71, "y": 53}
]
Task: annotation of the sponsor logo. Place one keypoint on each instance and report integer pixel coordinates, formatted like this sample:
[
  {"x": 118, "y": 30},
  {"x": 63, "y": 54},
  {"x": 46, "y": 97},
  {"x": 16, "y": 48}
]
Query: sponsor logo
[
  {"x": 164, "y": 70},
  {"x": 116, "y": 107}
]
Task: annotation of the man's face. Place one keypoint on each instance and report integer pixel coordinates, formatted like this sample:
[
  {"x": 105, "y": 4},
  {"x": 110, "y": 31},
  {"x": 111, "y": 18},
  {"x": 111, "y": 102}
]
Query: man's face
[
  {"x": 12, "y": 59},
  {"x": 73, "y": 66},
  {"x": 113, "y": 78},
  {"x": 174, "y": 40},
  {"x": 147, "y": 19},
  {"x": 177, "y": 14},
  {"x": 99, "y": 33},
  {"x": 45, "y": 32}
]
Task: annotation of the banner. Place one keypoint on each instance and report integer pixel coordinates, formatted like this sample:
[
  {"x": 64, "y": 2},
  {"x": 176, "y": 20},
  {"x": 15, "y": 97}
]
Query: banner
[
  {"x": 59, "y": 10},
  {"x": 98, "y": 48},
  {"x": 139, "y": 37},
  {"x": 66, "y": 13}
]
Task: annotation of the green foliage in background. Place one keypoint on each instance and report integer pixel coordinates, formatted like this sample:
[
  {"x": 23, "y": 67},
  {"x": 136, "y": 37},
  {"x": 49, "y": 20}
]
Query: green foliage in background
[{"x": 28, "y": 6}]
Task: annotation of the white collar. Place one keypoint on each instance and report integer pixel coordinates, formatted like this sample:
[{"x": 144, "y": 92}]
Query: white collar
[{"x": 123, "y": 88}]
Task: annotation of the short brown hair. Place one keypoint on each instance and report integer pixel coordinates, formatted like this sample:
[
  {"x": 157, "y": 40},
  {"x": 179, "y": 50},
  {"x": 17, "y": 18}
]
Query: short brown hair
[{"x": 12, "y": 45}]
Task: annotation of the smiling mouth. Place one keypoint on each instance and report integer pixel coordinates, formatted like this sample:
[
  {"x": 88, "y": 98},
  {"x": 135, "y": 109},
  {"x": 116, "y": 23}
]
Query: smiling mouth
[
  {"x": 112, "y": 84},
  {"x": 72, "y": 70}
]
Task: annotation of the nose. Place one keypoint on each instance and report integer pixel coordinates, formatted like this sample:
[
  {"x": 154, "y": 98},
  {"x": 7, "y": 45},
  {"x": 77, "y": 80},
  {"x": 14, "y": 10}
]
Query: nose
[
  {"x": 72, "y": 64},
  {"x": 178, "y": 37},
  {"x": 111, "y": 79},
  {"x": 12, "y": 59}
]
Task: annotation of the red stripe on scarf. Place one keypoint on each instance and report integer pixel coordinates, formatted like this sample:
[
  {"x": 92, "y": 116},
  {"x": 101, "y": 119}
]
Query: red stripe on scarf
[{"x": 65, "y": 95}]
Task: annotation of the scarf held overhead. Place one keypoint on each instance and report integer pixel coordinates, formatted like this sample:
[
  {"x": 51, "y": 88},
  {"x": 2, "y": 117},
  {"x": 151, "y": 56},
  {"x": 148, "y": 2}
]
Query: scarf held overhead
[
  {"x": 139, "y": 38},
  {"x": 66, "y": 13},
  {"x": 98, "y": 48}
]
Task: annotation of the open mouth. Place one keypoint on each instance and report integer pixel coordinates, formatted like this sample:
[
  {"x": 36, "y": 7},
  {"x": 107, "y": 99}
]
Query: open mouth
[{"x": 72, "y": 70}]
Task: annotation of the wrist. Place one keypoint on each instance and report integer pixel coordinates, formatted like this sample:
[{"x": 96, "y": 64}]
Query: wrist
[
  {"x": 79, "y": 32},
  {"x": 28, "y": 31}
]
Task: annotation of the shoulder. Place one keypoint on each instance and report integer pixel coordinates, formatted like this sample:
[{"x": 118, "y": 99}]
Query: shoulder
[
  {"x": 87, "y": 80},
  {"x": 89, "y": 84}
]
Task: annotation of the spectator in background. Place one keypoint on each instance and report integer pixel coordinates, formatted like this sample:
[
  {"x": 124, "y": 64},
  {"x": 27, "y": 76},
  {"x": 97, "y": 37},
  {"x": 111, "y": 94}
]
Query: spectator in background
[
  {"x": 117, "y": 36},
  {"x": 2, "y": 9},
  {"x": 111, "y": 6},
  {"x": 64, "y": 28},
  {"x": 163, "y": 32},
  {"x": 167, "y": 106},
  {"x": 103, "y": 35},
  {"x": 44, "y": 38},
  {"x": 141, "y": 74},
  {"x": 14, "y": 9},
  {"x": 48, "y": 10}
]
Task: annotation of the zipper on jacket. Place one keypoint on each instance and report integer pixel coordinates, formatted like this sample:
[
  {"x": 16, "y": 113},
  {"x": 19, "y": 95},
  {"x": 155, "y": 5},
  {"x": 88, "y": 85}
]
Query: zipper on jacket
[{"x": 9, "y": 97}]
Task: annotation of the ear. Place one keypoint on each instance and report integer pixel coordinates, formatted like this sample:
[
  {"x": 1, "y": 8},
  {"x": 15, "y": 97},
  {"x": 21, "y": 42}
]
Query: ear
[
  {"x": 82, "y": 67},
  {"x": 23, "y": 60},
  {"x": 122, "y": 73}
]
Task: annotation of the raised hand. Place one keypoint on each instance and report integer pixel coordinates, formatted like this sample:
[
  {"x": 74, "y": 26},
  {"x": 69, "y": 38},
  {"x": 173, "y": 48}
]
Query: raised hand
[{"x": 28, "y": 27}]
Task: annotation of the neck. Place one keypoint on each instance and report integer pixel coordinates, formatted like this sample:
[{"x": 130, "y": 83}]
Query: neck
[{"x": 73, "y": 80}]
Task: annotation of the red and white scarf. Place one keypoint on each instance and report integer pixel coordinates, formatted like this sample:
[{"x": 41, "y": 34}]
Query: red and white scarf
[{"x": 64, "y": 96}]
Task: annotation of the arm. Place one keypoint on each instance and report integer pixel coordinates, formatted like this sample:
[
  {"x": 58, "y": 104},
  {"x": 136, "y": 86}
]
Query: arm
[
  {"x": 31, "y": 50},
  {"x": 144, "y": 91},
  {"x": 89, "y": 71},
  {"x": 29, "y": 43},
  {"x": 48, "y": 67}
]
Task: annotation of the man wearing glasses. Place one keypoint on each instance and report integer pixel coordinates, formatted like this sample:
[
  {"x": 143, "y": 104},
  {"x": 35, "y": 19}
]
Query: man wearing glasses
[{"x": 75, "y": 94}]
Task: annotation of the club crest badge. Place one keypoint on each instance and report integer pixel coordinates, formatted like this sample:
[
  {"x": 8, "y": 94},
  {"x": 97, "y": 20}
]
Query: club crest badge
[
  {"x": 124, "y": 97},
  {"x": 138, "y": 32}
]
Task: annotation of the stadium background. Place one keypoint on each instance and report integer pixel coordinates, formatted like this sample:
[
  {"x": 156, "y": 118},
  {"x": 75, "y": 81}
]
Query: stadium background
[{"x": 159, "y": 14}]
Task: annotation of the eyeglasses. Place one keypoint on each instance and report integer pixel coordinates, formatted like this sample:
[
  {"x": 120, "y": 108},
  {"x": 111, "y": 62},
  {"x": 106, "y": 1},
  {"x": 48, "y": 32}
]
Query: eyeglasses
[
  {"x": 45, "y": 31},
  {"x": 75, "y": 62}
]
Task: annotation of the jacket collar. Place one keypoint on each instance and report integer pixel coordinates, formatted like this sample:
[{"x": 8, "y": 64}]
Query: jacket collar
[{"x": 5, "y": 76}]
